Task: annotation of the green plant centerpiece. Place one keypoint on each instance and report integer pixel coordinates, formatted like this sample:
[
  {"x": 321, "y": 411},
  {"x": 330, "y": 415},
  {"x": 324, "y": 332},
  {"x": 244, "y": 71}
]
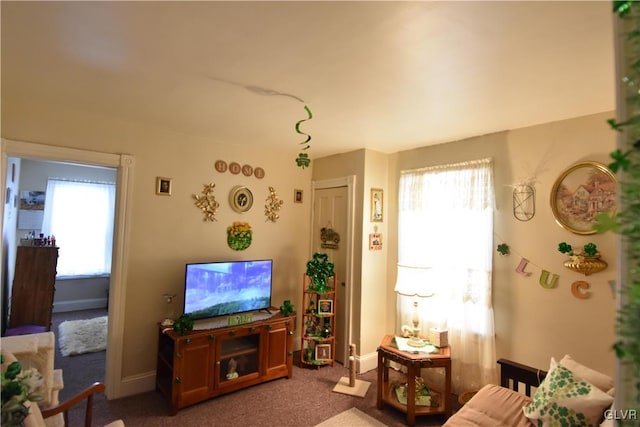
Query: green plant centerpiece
[
  {"x": 18, "y": 387},
  {"x": 588, "y": 250},
  {"x": 184, "y": 324},
  {"x": 287, "y": 308},
  {"x": 319, "y": 269},
  {"x": 585, "y": 260}
]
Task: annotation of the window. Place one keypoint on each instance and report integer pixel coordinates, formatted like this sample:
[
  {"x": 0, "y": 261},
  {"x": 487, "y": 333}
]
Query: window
[
  {"x": 80, "y": 215},
  {"x": 446, "y": 223}
]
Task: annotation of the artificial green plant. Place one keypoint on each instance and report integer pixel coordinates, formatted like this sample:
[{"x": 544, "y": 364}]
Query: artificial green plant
[{"x": 626, "y": 163}]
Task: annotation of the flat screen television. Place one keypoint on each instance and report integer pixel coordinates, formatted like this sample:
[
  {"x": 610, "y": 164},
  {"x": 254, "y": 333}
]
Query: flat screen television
[{"x": 227, "y": 287}]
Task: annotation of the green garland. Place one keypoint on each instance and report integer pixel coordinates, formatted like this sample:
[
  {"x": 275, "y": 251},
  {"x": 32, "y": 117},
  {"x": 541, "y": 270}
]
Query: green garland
[{"x": 626, "y": 162}]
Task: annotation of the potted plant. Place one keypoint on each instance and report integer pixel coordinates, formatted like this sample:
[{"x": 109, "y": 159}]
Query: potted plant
[
  {"x": 18, "y": 387},
  {"x": 184, "y": 324},
  {"x": 319, "y": 269},
  {"x": 585, "y": 260}
]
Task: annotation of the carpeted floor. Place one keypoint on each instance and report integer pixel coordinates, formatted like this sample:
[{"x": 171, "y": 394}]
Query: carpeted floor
[{"x": 307, "y": 399}]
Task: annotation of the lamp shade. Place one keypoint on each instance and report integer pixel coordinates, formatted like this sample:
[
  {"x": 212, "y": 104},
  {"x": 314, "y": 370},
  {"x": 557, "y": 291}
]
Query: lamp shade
[{"x": 413, "y": 281}]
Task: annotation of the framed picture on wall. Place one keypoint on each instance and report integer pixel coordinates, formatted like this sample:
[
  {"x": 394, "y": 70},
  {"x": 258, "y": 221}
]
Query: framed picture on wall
[
  {"x": 375, "y": 241},
  {"x": 580, "y": 193},
  {"x": 377, "y": 204},
  {"x": 164, "y": 186},
  {"x": 297, "y": 196}
]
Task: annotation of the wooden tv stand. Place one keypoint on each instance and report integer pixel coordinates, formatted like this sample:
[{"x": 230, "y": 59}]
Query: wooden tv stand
[{"x": 203, "y": 364}]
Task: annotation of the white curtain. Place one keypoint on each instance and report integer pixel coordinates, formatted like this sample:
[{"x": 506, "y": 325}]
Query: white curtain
[
  {"x": 446, "y": 223},
  {"x": 80, "y": 215}
]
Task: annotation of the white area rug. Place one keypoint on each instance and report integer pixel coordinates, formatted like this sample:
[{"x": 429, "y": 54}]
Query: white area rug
[
  {"x": 82, "y": 336},
  {"x": 353, "y": 418}
]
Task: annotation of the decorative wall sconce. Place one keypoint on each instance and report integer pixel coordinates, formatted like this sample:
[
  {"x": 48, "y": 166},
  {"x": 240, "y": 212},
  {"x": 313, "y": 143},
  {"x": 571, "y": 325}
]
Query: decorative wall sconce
[
  {"x": 524, "y": 202},
  {"x": 586, "y": 261},
  {"x": 207, "y": 203}
]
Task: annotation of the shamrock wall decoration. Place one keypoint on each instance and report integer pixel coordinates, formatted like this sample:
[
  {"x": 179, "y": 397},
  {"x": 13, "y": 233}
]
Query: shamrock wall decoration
[
  {"x": 319, "y": 269},
  {"x": 503, "y": 249}
]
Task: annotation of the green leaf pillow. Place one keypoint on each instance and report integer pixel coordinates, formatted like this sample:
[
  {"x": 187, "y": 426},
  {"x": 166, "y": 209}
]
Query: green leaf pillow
[{"x": 565, "y": 400}]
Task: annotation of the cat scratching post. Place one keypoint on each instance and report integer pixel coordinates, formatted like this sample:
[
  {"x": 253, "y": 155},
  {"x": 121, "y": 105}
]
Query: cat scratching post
[{"x": 351, "y": 385}]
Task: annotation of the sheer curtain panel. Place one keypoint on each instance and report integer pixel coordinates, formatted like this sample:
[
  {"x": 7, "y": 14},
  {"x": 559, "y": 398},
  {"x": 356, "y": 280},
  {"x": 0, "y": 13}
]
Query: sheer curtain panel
[
  {"x": 446, "y": 223},
  {"x": 80, "y": 215}
]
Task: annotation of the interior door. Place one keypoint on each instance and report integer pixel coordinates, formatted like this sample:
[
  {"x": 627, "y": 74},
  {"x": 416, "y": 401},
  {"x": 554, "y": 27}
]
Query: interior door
[{"x": 330, "y": 212}]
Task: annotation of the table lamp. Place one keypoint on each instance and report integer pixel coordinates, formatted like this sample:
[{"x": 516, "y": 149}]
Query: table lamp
[{"x": 413, "y": 281}]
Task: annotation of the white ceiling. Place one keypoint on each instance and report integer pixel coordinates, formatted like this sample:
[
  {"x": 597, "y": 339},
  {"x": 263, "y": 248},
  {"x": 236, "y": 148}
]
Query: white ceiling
[{"x": 383, "y": 75}]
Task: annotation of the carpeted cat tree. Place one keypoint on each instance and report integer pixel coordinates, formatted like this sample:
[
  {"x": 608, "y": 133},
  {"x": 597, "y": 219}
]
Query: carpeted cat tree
[{"x": 351, "y": 385}]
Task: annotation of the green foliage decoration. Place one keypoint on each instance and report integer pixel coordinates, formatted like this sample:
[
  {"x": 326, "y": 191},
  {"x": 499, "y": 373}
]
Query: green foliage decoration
[
  {"x": 590, "y": 250},
  {"x": 18, "y": 387},
  {"x": 503, "y": 249},
  {"x": 184, "y": 324},
  {"x": 319, "y": 269},
  {"x": 626, "y": 163},
  {"x": 287, "y": 308}
]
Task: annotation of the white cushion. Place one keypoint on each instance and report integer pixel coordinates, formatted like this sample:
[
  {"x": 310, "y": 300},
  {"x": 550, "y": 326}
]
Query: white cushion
[
  {"x": 565, "y": 399},
  {"x": 598, "y": 379}
]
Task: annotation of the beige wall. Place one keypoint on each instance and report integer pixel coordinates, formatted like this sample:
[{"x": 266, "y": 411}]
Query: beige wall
[
  {"x": 370, "y": 282},
  {"x": 340, "y": 166},
  {"x": 166, "y": 232},
  {"x": 534, "y": 323}
]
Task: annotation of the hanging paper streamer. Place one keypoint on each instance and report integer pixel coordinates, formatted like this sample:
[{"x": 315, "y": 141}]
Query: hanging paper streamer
[
  {"x": 522, "y": 266},
  {"x": 303, "y": 158},
  {"x": 579, "y": 289},
  {"x": 544, "y": 282}
]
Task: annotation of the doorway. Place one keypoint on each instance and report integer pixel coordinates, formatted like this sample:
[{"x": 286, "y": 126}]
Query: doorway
[
  {"x": 333, "y": 210},
  {"x": 117, "y": 289}
]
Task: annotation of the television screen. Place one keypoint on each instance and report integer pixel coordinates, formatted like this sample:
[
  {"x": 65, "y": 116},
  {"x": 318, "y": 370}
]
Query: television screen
[{"x": 223, "y": 288}]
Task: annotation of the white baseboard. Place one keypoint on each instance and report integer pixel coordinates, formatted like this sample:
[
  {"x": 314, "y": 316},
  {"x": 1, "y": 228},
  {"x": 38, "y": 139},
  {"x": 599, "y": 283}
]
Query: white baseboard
[
  {"x": 367, "y": 362},
  {"x": 134, "y": 384},
  {"x": 80, "y": 304}
]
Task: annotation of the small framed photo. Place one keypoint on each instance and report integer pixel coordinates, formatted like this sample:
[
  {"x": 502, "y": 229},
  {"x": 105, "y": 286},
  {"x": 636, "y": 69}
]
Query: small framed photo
[
  {"x": 325, "y": 306},
  {"x": 375, "y": 241},
  {"x": 323, "y": 352},
  {"x": 297, "y": 196},
  {"x": 376, "y": 204},
  {"x": 164, "y": 186}
]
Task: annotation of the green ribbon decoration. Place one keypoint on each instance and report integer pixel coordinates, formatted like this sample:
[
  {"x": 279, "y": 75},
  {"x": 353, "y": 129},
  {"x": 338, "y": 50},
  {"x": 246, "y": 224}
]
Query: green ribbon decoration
[{"x": 303, "y": 159}]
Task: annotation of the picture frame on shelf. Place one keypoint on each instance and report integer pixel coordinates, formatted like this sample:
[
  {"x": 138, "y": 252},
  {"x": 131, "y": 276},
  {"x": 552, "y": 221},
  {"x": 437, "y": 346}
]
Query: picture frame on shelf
[
  {"x": 580, "y": 193},
  {"x": 164, "y": 186},
  {"x": 377, "y": 204},
  {"x": 323, "y": 352},
  {"x": 325, "y": 306}
]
